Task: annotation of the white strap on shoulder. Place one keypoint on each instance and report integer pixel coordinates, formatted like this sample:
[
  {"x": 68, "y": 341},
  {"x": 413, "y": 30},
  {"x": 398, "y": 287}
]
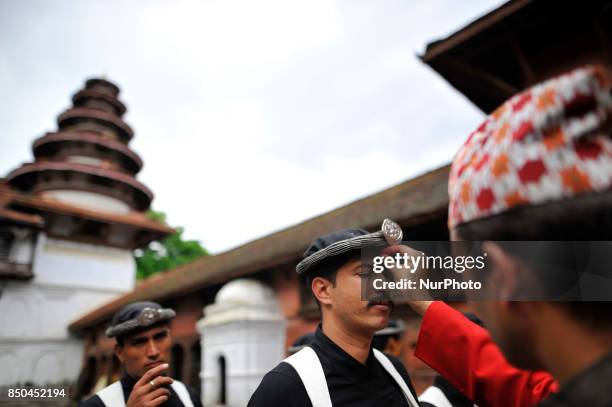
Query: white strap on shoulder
[
  {"x": 433, "y": 395},
  {"x": 112, "y": 395},
  {"x": 182, "y": 393},
  {"x": 386, "y": 363},
  {"x": 308, "y": 366}
]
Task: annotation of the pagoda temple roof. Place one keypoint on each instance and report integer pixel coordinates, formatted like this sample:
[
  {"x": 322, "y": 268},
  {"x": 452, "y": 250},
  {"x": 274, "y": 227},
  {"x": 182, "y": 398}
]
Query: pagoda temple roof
[
  {"x": 79, "y": 113},
  {"x": 519, "y": 44},
  {"x": 91, "y": 93},
  {"x": 23, "y": 177},
  {"x": 60, "y": 137},
  {"x": 20, "y": 218},
  {"x": 103, "y": 84},
  {"x": 29, "y": 208}
]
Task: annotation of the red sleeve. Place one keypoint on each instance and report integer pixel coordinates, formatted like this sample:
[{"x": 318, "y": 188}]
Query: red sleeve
[{"x": 465, "y": 354}]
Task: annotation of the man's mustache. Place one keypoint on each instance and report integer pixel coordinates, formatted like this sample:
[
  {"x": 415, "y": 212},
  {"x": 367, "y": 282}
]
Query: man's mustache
[{"x": 380, "y": 299}]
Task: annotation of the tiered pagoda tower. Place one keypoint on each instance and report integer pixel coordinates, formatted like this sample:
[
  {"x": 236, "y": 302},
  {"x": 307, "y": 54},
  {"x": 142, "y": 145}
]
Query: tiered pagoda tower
[
  {"x": 88, "y": 163},
  {"x": 69, "y": 222}
]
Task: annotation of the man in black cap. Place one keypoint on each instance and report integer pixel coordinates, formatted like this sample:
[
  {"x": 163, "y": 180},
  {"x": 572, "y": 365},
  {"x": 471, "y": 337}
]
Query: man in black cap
[
  {"x": 142, "y": 332},
  {"x": 389, "y": 339},
  {"x": 339, "y": 366}
]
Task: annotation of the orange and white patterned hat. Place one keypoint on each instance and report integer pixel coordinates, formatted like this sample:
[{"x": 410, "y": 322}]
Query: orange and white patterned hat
[{"x": 548, "y": 143}]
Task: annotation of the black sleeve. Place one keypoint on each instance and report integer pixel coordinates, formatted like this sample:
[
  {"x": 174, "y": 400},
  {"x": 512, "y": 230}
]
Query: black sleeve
[
  {"x": 280, "y": 387},
  {"x": 93, "y": 401},
  {"x": 403, "y": 372},
  {"x": 194, "y": 395}
]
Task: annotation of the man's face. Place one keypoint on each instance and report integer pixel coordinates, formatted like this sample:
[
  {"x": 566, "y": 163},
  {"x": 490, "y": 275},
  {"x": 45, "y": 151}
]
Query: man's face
[
  {"x": 346, "y": 301},
  {"x": 511, "y": 327},
  {"x": 508, "y": 325},
  {"x": 145, "y": 350}
]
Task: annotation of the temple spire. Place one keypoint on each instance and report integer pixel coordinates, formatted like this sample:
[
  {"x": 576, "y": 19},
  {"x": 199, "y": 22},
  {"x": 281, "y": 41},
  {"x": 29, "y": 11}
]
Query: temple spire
[{"x": 88, "y": 152}]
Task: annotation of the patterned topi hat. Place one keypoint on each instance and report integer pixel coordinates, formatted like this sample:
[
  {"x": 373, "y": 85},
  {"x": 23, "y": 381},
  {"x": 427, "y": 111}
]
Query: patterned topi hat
[{"x": 549, "y": 143}]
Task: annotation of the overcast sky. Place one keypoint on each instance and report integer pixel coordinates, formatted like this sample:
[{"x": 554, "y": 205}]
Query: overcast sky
[{"x": 250, "y": 116}]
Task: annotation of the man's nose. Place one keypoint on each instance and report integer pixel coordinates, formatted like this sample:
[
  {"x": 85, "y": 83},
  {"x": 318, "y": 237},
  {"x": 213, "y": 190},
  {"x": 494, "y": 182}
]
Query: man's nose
[{"x": 152, "y": 351}]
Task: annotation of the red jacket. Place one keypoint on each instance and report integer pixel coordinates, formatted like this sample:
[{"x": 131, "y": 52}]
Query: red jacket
[{"x": 465, "y": 354}]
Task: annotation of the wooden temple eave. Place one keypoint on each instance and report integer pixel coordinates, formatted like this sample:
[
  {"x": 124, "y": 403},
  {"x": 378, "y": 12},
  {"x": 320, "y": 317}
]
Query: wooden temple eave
[
  {"x": 80, "y": 98},
  {"x": 519, "y": 44},
  {"x": 98, "y": 232},
  {"x": 51, "y": 143},
  {"x": 12, "y": 217},
  {"x": 82, "y": 114},
  {"x": 604, "y": 39},
  {"x": 103, "y": 86},
  {"x": 66, "y": 221},
  {"x": 16, "y": 271},
  {"x": 28, "y": 176},
  {"x": 483, "y": 23},
  {"x": 526, "y": 67}
]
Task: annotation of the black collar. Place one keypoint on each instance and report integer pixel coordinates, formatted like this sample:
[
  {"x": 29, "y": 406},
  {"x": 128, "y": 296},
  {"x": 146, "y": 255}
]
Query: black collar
[
  {"x": 340, "y": 359},
  {"x": 128, "y": 382}
]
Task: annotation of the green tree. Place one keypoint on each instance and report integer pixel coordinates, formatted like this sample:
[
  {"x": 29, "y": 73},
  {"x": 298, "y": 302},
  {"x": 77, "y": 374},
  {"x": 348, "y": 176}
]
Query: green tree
[{"x": 167, "y": 254}]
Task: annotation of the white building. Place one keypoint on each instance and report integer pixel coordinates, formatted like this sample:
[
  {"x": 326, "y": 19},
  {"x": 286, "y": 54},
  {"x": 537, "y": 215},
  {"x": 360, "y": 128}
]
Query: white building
[
  {"x": 68, "y": 224},
  {"x": 243, "y": 337}
]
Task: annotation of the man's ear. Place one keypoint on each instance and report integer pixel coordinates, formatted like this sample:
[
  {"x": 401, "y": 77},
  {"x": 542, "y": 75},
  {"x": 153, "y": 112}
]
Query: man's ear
[
  {"x": 119, "y": 352},
  {"x": 505, "y": 270},
  {"x": 321, "y": 288}
]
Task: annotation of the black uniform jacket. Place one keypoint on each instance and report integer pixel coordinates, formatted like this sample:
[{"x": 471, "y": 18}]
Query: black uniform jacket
[
  {"x": 349, "y": 382},
  {"x": 592, "y": 388},
  {"x": 128, "y": 382}
]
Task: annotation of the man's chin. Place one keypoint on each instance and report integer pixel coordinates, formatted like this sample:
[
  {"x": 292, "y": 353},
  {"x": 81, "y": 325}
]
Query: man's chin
[
  {"x": 380, "y": 312},
  {"x": 378, "y": 322}
]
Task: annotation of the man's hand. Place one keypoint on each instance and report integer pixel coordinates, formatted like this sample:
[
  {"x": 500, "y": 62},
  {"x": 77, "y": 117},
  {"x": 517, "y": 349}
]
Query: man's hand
[
  {"x": 420, "y": 307},
  {"x": 148, "y": 390}
]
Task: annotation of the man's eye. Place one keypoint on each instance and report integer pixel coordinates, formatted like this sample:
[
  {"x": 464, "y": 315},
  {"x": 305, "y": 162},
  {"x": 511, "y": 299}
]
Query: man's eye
[
  {"x": 139, "y": 343},
  {"x": 161, "y": 336}
]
